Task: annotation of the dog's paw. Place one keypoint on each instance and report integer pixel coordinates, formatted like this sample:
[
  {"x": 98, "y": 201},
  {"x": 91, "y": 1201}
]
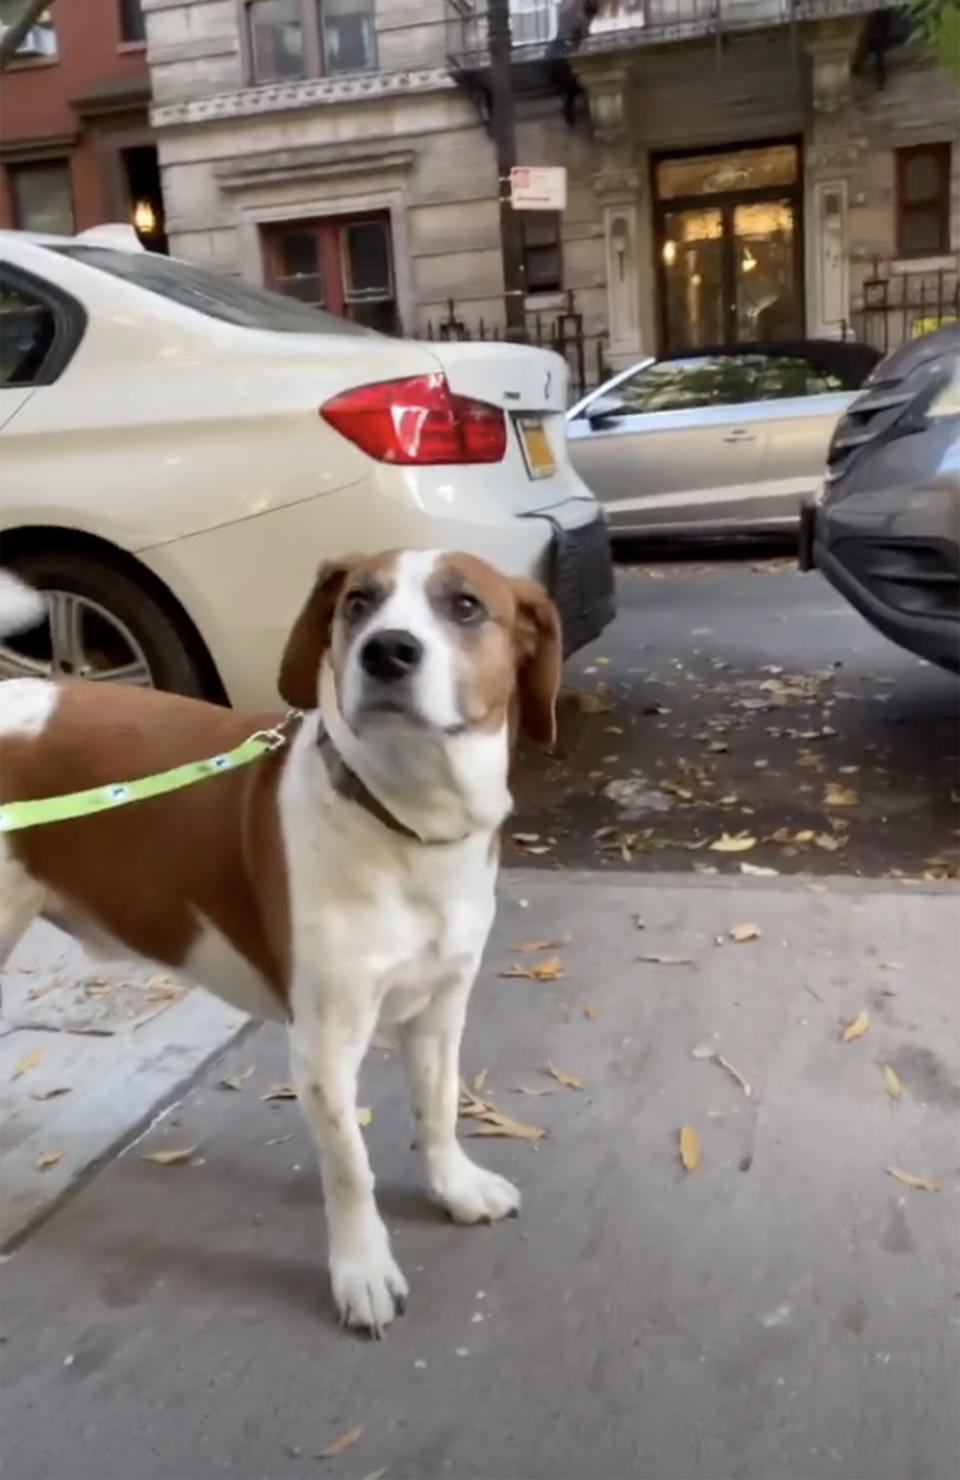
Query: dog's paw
[
  {"x": 368, "y": 1286},
  {"x": 471, "y": 1194}
]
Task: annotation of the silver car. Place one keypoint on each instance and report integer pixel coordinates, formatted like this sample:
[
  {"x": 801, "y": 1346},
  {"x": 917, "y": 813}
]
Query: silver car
[{"x": 718, "y": 441}]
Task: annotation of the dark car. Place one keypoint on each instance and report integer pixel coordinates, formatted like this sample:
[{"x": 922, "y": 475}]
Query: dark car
[{"x": 885, "y": 530}]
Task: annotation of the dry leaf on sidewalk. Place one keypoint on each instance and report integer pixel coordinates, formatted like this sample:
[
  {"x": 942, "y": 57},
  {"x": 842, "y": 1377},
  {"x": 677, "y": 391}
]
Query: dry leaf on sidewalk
[
  {"x": 835, "y": 795},
  {"x": 479, "y": 1080},
  {"x": 495, "y": 1123},
  {"x": 829, "y": 843},
  {"x": 757, "y": 871},
  {"x": 892, "y": 1081},
  {"x": 280, "y": 1092},
  {"x": 569, "y": 1081},
  {"x": 527, "y": 1089},
  {"x": 857, "y": 1028},
  {"x": 50, "y": 1094},
  {"x": 745, "y": 932},
  {"x": 734, "y": 1073},
  {"x": 29, "y": 1061},
  {"x": 733, "y": 843},
  {"x": 346, "y": 1441},
  {"x": 173, "y": 1158},
  {"x": 236, "y": 1081},
  {"x": 543, "y": 971},
  {"x": 364, "y": 1115},
  {"x": 589, "y": 1009},
  {"x": 910, "y": 1179},
  {"x": 689, "y": 1148},
  {"x": 667, "y": 960},
  {"x": 48, "y": 1159},
  {"x": 526, "y": 946}
]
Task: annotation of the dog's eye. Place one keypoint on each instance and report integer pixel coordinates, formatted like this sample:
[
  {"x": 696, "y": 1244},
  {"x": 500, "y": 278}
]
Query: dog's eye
[
  {"x": 357, "y": 605},
  {"x": 465, "y": 607}
]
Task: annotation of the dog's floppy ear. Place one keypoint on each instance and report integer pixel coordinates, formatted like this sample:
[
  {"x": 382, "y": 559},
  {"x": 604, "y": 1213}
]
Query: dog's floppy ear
[
  {"x": 539, "y": 652},
  {"x": 310, "y": 636}
]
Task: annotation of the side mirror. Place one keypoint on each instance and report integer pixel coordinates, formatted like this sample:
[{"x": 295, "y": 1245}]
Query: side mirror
[{"x": 603, "y": 409}]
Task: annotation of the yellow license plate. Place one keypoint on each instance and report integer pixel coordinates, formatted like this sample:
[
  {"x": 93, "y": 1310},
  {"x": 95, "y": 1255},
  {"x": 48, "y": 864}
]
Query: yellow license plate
[{"x": 537, "y": 452}]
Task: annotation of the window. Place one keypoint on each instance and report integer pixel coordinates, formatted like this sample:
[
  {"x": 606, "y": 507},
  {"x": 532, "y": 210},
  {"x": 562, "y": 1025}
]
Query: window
[
  {"x": 132, "y": 28},
  {"x": 685, "y": 385},
  {"x": 542, "y": 258},
  {"x": 219, "y": 298},
  {"x": 923, "y": 200},
  {"x": 42, "y": 197},
  {"x": 782, "y": 376},
  {"x": 343, "y": 266},
  {"x": 40, "y": 42},
  {"x": 290, "y": 39},
  {"x": 27, "y": 332}
]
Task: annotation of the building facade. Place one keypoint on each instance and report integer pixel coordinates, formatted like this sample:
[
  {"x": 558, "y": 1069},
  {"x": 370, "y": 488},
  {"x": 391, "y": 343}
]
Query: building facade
[
  {"x": 76, "y": 144},
  {"x": 737, "y": 169}
]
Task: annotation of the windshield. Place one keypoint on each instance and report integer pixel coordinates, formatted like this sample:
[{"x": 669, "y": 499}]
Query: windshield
[{"x": 218, "y": 297}]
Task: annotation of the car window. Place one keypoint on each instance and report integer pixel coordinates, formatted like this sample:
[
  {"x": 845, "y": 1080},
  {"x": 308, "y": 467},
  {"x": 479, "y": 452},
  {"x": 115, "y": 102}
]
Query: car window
[
  {"x": 682, "y": 385},
  {"x": 223, "y": 298},
  {"x": 791, "y": 375},
  {"x": 28, "y": 329}
]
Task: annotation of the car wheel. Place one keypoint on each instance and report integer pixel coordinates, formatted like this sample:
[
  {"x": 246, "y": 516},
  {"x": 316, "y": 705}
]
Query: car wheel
[{"x": 101, "y": 625}]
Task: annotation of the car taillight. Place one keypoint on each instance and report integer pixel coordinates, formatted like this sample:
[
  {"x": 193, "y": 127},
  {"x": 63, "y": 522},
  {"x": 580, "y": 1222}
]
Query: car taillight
[{"x": 418, "y": 420}]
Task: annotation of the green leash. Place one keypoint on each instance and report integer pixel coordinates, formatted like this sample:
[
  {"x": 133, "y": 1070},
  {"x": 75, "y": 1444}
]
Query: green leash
[{"x": 15, "y": 816}]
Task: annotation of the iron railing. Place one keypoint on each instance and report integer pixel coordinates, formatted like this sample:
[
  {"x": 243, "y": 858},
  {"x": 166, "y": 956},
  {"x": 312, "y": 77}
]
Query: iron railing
[
  {"x": 893, "y": 307},
  {"x": 563, "y": 332}
]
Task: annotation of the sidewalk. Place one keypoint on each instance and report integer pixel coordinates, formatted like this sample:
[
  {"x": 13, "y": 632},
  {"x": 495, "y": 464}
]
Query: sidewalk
[{"x": 788, "y": 1311}]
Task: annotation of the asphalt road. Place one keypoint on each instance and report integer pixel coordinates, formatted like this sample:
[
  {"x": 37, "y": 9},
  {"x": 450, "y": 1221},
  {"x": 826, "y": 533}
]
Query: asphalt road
[{"x": 740, "y": 697}]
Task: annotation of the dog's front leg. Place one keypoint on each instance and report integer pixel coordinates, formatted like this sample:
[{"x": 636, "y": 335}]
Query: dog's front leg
[
  {"x": 431, "y": 1046},
  {"x": 327, "y": 1045}
]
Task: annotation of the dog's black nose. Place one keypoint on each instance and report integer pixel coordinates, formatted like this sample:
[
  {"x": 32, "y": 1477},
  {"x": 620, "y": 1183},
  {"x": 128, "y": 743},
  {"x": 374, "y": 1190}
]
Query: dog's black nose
[{"x": 391, "y": 654}]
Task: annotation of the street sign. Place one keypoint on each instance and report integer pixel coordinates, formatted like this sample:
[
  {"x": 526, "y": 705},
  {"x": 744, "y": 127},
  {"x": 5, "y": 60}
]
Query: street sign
[{"x": 542, "y": 188}]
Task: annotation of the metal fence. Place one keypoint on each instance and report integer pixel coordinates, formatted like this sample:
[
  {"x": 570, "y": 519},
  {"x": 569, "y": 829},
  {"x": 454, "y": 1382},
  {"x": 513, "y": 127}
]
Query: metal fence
[
  {"x": 896, "y": 306},
  {"x": 562, "y": 331}
]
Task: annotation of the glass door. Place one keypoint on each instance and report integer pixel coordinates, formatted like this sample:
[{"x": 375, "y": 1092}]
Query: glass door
[
  {"x": 767, "y": 300},
  {"x": 693, "y": 275}
]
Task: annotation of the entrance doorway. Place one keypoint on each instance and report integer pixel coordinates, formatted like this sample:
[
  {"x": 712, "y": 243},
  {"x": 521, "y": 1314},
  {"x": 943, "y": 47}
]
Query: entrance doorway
[{"x": 730, "y": 246}]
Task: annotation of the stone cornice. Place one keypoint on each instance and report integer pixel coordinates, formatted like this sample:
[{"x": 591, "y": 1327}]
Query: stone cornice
[{"x": 276, "y": 97}]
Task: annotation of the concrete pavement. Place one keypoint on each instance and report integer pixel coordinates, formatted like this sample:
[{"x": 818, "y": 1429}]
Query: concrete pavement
[{"x": 788, "y": 1311}]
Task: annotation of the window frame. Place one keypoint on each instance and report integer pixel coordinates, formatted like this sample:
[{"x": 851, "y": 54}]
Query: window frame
[
  {"x": 525, "y": 218},
  {"x": 123, "y": 13},
  {"x": 330, "y": 234},
  {"x": 14, "y": 167},
  {"x": 311, "y": 29},
  {"x": 941, "y": 151},
  {"x": 70, "y": 323}
]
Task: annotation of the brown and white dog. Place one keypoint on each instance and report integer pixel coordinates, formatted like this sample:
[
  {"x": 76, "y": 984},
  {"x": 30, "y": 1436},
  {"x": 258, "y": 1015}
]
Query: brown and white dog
[{"x": 345, "y": 877}]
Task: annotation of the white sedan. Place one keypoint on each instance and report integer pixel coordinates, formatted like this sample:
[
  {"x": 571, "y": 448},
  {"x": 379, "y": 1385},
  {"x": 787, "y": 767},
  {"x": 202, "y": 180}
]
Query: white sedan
[{"x": 180, "y": 451}]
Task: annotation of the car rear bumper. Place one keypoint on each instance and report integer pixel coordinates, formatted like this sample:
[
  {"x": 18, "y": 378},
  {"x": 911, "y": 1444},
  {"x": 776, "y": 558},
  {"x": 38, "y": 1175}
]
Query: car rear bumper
[{"x": 907, "y": 587}]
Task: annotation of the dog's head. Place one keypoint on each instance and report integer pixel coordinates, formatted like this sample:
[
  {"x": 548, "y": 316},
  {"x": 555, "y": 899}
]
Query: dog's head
[{"x": 432, "y": 640}]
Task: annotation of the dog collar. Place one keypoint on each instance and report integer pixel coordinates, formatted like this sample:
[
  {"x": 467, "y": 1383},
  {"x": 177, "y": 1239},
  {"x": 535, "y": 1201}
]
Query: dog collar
[{"x": 347, "y": 784}]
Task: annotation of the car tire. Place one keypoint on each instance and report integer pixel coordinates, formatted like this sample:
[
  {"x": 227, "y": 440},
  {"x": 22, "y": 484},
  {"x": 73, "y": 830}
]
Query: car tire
[{"x": 174, "y": 657}]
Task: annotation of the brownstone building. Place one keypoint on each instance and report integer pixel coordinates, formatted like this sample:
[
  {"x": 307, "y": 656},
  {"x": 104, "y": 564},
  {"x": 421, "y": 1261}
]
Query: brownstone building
[{"x": 76, "y": 145}]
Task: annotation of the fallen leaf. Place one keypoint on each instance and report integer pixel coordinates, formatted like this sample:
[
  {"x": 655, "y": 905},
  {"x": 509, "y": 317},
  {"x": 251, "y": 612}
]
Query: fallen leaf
[
  {"x": 280, "y": 1092},
  {"x": 892, "y": 1081},
  {"x": 836, "y": 795},
  {"x": 732, "y": 843},
  {"x": 28, "y": 1062},
  {"x": 50, "y": 1094},
  {"x": 527, "y": 1089},
  {"x": 236, "y": 1081},
  {"x": 279, "y": 1140},
  {"x": 170, "y": 1158},
  {"x": 364, "y": 1115},
  {"x": 527, "y": 946},
  {"x": 667, "y": 960},
  {"x": 890, "y": 965},
  {"x": 703, "y": 1051},
  {"x": 745, "y": 932},
  {"x": 376, "y": 1474},
  {"x": 48, "y": 1159},
  {"x": 829, "y": 843},
  {"x": 734, "y": 1073},
  {"x": 592, "y": 703},
  {"x": 589, "y": 1009},
  {"x": 569, "y": 1081},
  {"x": 479, "y": 1080},
  {"x": 503, "y": 1125},
  {"x": 163, "y": 989},
  {"x": 543, "y": 971},
  {"x": 910, "y": 1179},
  {"x": 689, "y": 1148},
  {"x": 757, "y": 871},
  {"x": 857, "y": 1028},
  {"x": 346, "y": 1441}
]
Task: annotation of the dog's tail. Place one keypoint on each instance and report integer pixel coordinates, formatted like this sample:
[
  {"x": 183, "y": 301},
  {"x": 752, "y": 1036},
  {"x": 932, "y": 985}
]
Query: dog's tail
[{"x": 20, "y": 605}]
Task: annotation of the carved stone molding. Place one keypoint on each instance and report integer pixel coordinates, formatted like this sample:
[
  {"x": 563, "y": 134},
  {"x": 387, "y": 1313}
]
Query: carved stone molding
[
  {"x": 275, "y": 97},
  {"x": 607, "y": 93},
  {"x": 623, "y": 184}
]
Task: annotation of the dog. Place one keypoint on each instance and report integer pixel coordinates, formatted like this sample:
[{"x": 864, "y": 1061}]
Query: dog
[{"x": 345, "y": 877}]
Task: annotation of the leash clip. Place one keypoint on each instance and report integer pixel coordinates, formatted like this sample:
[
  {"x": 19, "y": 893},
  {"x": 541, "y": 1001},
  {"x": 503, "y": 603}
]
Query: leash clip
[{"x": 276, "y": 737}]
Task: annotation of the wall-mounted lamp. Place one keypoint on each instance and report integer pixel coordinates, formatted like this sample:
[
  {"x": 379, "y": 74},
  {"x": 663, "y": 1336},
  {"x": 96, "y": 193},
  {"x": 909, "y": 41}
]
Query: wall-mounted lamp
[
  {"x": 748, "y": 261},
  {"x": 144, "y": 218},
  {"x": 669, "y": 253}
]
